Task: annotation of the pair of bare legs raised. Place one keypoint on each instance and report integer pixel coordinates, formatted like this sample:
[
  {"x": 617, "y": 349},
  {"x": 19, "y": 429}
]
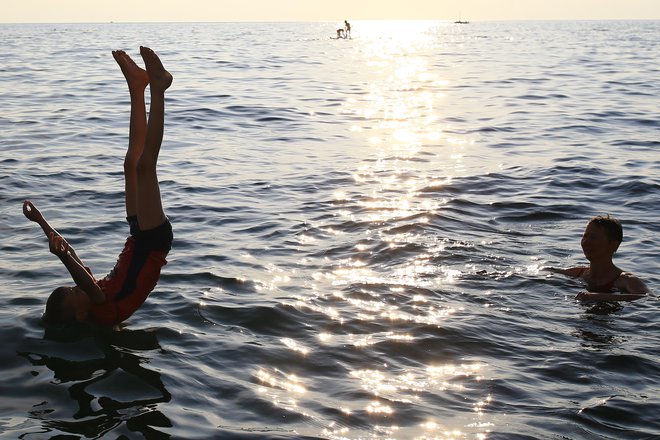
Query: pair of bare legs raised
[{"x": 145, "y": 138}]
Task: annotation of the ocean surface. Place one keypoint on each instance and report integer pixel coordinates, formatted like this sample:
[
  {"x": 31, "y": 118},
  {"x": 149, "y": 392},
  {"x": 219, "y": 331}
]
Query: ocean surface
[{"x": 361, "y": 228}]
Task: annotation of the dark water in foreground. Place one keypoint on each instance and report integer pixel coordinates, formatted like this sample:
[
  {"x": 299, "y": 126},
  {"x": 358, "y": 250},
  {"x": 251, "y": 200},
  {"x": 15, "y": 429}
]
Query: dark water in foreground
[{"x": 360, "y": 228}]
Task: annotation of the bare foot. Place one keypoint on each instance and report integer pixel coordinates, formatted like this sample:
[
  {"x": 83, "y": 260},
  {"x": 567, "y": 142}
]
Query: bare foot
[
  {"x": 160, "y": 78},
  {"x": 136, "y": 77}
]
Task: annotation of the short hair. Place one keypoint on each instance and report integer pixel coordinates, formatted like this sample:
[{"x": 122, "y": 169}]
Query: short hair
[
  {"x": 612, "y": 227},
  {"x": 54, "y": 314}
]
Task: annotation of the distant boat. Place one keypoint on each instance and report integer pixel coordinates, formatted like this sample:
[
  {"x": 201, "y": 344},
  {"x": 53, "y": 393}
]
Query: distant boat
[{"x": 459, "y": 21}]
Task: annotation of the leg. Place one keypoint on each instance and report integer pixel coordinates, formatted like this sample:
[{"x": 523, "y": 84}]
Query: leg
[
  {"x": 137, "y": 80},
  {"x": 149, "y": 206}
]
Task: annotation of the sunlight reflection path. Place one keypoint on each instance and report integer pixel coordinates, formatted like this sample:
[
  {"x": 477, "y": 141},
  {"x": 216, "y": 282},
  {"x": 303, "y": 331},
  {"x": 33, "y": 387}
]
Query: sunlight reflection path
[{"x": 384, "y": 287}]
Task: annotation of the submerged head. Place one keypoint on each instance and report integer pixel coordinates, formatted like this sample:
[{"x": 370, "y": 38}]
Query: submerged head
[
  {"x": 602, "y": 237},
  {"x": 66, "y": 305}
]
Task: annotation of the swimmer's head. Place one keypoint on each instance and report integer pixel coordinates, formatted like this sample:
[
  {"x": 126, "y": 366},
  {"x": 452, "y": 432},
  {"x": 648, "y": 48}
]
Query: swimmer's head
[
  {"x": 66, "y": 305},
  {"x": 610, "y": 225},
  {"x": 601, "y": 238}
]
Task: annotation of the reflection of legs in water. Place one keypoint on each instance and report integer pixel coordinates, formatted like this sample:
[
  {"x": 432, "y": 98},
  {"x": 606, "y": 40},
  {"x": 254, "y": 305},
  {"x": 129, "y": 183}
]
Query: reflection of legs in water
[{"x": 145, "y": 138}]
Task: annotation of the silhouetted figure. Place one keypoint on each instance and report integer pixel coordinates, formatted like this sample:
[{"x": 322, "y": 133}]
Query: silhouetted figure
[
  {"x": 605, "y": 281},
  {"x": 114, "y": 298}
]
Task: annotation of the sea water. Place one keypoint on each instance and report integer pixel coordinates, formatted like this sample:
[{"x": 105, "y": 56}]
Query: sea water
[{"x": 361, "y": 228}]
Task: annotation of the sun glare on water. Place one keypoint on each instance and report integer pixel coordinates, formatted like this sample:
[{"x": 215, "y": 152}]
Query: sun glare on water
[{"x": 397, "y": 191}]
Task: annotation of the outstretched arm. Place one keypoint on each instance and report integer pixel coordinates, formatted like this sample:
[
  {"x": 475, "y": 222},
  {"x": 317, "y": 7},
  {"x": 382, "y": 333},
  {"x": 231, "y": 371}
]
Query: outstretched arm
[
  {"x": 32, "y": 213},
  {"x": 66, "y": 253},
  {"x": 80, "y": 275},
  {"x": 572, "y": 272}
]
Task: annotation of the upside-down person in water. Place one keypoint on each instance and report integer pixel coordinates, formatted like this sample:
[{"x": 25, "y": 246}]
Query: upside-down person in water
[
  {"x": 114, "y": 298},
  {"x": 605, "y": 281}
]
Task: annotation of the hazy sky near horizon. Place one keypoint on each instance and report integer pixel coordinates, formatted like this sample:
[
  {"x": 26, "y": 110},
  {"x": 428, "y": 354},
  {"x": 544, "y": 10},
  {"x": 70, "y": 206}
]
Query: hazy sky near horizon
[{"x": 71, "y": 11}]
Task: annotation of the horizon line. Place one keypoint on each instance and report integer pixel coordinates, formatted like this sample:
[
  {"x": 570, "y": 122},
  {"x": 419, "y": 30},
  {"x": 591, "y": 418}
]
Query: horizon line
[{"x": 441, "y": 20}]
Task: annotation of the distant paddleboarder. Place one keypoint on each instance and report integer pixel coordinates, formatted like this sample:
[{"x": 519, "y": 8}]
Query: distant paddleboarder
[{"x": 345, "y": 32}]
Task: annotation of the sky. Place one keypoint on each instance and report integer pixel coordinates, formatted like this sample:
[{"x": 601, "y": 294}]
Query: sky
[{"x": 91, "y": 11}]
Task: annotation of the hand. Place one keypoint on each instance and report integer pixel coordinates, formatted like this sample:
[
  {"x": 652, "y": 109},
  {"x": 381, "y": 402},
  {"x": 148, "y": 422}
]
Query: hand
[
  {"x": 31, "y": 212},
  {"x": 582, "y": 295},
  {"x": 58, "y": 245}
]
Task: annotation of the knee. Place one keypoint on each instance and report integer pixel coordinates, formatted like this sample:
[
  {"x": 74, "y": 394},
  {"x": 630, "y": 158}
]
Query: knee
[
  {"x": 145, "y": 166},
  {"x": 130, "y": 164}
]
